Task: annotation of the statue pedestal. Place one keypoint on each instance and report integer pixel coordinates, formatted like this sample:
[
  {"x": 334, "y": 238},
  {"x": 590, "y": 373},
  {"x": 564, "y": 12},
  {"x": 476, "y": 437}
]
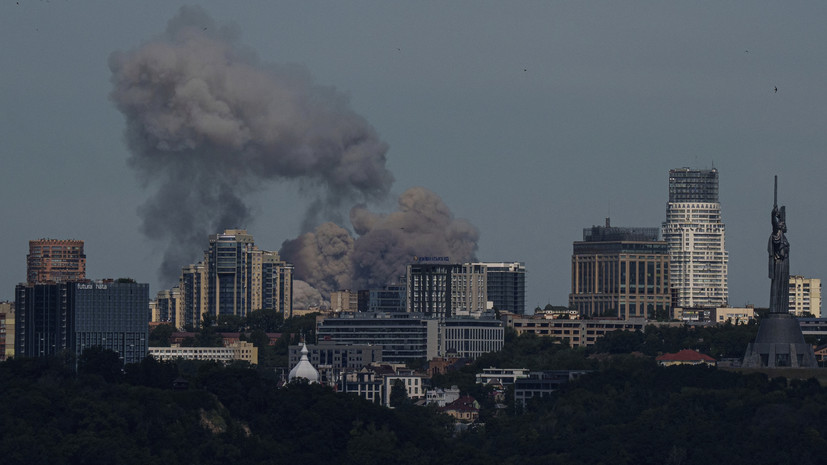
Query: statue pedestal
[{"x": 779, "y": 344}]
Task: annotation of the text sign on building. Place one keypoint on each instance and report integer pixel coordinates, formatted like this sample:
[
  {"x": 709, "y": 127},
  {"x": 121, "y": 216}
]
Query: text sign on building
[{"x": 418, "y": 258}]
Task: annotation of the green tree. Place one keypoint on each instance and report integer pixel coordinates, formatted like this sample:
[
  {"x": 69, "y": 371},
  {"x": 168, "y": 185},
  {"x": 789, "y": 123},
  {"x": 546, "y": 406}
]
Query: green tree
[
  {"x": 99, "y": 361},
  {"x": 208, "y": 336},
  {"x": 399, "y": 395},
  {"x": 230, "y": 324},
  {"x": 369, "y": 445},
  {"x": 266, "y": 319},
  {"x": 151, "y": 372},
  {"x": 160, "y": 335}
]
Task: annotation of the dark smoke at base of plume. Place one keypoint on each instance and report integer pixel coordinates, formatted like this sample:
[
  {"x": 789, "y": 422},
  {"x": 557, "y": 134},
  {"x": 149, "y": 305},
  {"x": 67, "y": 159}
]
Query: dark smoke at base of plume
[
  {"x": 329, "y": 259},
  {"x": 207, "y": 125}
]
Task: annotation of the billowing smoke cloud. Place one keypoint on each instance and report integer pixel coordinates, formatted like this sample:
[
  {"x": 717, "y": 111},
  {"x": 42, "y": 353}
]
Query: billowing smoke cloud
[
  {"x": 306, "y": 296},
  {"x": 321, "y": 258},
  {"x": 329, "y": 259},
  {"x": 208, "y": 124}
]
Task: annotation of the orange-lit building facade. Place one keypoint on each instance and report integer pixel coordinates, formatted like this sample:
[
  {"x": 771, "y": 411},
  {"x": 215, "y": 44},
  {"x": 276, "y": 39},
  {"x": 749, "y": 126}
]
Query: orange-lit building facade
[{"x": 55, "y": 260}]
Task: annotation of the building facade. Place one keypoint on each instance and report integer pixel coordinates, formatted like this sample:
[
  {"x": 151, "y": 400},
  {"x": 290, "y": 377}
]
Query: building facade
[
  {"x": 620, "y": 272},
  {"x": 402, "y": 336},
  {"x": 805, "y": 296},
  {"x": 501, "y": 375},
  {"x": 6, "y": 330},
  {"x": 470, "y": 337},
  {"x": 506, "y": 285},
  {"x": 344, "y": 301},
  {"x": 230, "y": 280},
  {"x": 276, "y": 284},
  {"x": 412, "y": 336},
  {"x": 695, "y": 237},
  {"x": 54, "y": 260},
  {"x": 445, "y": 290},
  {"x": 236, "y": 351},
  {"x": 167, "y": 307},
  {"x": 73, "y": 316},
  {"x": 192, "y": 292},
  {"x": 336, "y": 356},
  {"x": 542, "y": 384},
  {"x": 577, "y": 333},
  {"x": 235, "y": 278},
  {"x": 733, "y": 315},
  {"x": 388, "y": 299}
]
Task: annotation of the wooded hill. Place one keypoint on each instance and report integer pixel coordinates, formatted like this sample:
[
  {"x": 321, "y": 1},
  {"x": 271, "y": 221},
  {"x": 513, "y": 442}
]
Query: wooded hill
[{"x": 626, "y": 411}]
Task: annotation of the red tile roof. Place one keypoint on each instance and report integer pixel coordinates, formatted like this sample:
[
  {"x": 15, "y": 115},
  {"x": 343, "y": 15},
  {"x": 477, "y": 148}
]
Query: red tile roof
[{"x": 686, "y": 355}]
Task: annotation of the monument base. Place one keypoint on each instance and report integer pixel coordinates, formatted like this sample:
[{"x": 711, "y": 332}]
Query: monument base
[{"x": 779, "y": 344}]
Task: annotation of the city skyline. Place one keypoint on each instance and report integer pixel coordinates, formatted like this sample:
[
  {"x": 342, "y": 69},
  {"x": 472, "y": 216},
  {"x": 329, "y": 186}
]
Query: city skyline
[{"x": 529, "y": 121}]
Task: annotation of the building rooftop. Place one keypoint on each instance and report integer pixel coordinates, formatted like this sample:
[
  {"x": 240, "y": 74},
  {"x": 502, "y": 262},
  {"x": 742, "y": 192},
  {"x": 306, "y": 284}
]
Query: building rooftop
[{"x": 685, "y": 355}]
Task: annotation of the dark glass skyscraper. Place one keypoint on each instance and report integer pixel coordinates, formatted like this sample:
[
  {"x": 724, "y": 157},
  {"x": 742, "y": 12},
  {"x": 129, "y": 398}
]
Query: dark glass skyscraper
[
  {"x": 78, "y": 315},
  {"x": 506, "y": 286}
]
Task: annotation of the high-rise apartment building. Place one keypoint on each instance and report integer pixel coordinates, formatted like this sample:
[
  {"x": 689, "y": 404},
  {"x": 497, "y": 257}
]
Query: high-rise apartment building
[
  {"x": 620, "y": 272},
  {"x": 54, "y": 260},
  {"x": 192, "y": 292},
  {"x": 229, "y": 265},
  {"x": 805, "y": 296},
  {"x": 235, "y": 278},
  {"x": 168, "y": 307},
  {"x": 6, "y": 330},
  {"x": 73, "y": 316},
  {"x": 445, "y": 290},
  {"x": 506, "y": 285},
  {"x": 694, "y": 234},
  {"x": 276, "y": 284}
]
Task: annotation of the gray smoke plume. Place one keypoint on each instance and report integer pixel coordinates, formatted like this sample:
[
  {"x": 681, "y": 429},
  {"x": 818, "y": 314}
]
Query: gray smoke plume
[
  {"x": 321, "y": 258},
  {"x": 306, "y": 296},
  {"x": 329, "y": 259},
  {"x": 207, "y": 124}
]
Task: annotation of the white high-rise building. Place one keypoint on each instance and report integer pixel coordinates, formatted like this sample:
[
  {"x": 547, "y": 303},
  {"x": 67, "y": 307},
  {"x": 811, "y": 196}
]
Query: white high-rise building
[{"x": 694, "y": 234}]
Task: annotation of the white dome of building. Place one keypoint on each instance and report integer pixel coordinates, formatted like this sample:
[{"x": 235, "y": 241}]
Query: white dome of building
[{"x": 304, "y": 369}]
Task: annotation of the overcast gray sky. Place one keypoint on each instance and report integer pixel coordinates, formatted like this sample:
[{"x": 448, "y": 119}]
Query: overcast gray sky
[{"x": 532, "y": 120}]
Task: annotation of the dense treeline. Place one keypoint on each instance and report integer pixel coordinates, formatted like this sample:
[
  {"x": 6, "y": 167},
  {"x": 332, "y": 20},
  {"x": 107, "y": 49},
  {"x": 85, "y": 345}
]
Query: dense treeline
[
  {"x": 627, "y": 410},
  {"x": 637, "y": 413},
  {"x": 228, "y": 415}
]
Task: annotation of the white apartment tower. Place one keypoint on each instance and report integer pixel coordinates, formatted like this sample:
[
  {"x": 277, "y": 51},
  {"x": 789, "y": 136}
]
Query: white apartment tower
[
  {"x": 694, "y": 235},
  {"x": 805, "y": 296}
]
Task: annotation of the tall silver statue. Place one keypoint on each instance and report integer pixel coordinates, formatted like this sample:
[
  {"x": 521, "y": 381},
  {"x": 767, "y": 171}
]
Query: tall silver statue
[
  {"x": 779, "y": 265},
  {"x": 779, "y": 342}
]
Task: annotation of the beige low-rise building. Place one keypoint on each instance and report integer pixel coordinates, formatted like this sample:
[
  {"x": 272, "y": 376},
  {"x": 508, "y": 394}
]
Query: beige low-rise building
[
  {"x": 733, "y": 315},
  {"x": 578, "y": 333},
  {"x": 237, "y": 351}
]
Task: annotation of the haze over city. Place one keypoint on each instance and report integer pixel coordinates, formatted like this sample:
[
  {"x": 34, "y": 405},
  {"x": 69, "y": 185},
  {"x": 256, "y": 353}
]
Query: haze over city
[{"x": 529, "y": 121}]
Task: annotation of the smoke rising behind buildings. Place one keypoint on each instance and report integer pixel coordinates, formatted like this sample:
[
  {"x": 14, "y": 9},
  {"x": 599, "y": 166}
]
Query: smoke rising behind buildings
[
  {"x": 207, "y": 124},
  {"x": 423, "y": 225}
]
